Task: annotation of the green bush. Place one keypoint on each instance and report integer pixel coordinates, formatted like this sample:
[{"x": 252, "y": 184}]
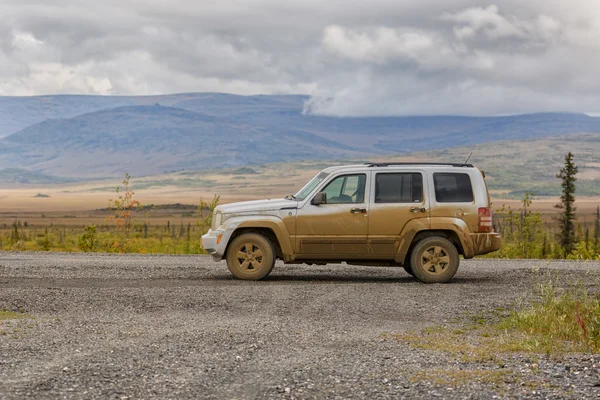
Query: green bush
[
  {"x": 89, "y": 240},
  {"x": 522, "y": 232},
  {"x": 559, "y": 316}
]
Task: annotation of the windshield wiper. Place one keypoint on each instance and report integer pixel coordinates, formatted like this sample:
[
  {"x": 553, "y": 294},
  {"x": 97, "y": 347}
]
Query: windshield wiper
[{"x": 290, "y": 197}]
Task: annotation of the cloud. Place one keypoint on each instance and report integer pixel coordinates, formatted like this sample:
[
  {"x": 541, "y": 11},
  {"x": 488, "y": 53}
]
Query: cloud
[
  {"x": 382, "y": 45},
  {"x": 491, "y": 23},
  {"x": 488, "y": 19},
  {"x": 381, "y": 57}
]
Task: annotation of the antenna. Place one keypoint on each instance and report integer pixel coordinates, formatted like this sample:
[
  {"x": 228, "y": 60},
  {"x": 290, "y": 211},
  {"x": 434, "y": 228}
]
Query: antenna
[{"x": 468, "y": 158}]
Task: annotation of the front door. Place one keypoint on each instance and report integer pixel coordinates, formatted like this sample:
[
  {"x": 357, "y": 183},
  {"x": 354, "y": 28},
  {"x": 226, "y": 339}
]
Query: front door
[
  {"x": 339, "y": 228},
  {"x": 398, "y": 199}
]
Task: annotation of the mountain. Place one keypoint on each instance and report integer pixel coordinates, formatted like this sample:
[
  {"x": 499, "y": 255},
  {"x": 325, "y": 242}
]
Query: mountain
[
  {"x": 152, "y": 139},
  {"x": 95, "y": 136},
  {"x": 17, "y": 113}
]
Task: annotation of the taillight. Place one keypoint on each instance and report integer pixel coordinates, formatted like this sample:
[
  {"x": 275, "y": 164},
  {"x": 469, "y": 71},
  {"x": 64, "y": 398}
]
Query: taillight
[{"x": 485, "y": 219}]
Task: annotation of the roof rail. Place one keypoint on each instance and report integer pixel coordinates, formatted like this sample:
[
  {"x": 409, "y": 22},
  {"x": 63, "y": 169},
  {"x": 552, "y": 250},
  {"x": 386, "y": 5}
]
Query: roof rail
[{"x": 387, "y": 164}]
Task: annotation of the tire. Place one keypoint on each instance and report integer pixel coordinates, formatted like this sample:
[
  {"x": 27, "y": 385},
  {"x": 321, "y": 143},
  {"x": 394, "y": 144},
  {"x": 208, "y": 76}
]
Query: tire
[
  {"x": 408, "y": 270},
  {"x": 250, "y": 256},
  {"x": 434, "y": 260}
]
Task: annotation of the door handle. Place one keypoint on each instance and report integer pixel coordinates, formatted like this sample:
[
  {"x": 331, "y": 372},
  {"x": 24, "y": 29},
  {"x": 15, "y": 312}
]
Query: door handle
[
  {"x": 417, "y": 209},
  {"x": 358, "y": 210}
]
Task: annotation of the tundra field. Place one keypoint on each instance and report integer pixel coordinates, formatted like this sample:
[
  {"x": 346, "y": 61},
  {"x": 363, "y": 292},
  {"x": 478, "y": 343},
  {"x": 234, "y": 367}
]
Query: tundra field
[
  {"x": 51, "y": 214},
  {"x": 54, "y": 225},
  {"x": 53, "y": 217}
]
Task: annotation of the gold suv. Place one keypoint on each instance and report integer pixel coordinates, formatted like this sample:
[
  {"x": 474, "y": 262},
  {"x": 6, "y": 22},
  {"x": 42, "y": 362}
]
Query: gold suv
[{"x": 421, "y": 216}]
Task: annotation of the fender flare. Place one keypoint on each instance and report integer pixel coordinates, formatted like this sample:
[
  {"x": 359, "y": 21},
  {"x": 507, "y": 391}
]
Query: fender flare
[
  {"x": 276, "y": 225},
  {"x": 416, "y": 226}
]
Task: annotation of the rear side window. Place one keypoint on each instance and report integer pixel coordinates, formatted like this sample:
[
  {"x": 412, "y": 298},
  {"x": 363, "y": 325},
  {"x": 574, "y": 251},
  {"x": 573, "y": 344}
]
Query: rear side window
[
  {"x": 452, "y": 188},
  {"x": 399, "y": 188}
]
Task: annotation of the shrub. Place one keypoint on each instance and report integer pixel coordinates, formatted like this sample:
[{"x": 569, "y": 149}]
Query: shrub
[
  {"x": 45, "y": 242},
  {"x": 522, "y": 231},
  {"x": 89, "y": 240},
  {"x": 559, "y": 316},
  {"x": 205, "y": 213},
  {"x": 125, "y": 209}
]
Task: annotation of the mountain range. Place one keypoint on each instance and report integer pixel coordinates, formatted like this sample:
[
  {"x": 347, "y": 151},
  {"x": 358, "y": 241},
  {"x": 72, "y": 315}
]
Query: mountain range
[{"x": 101, "y": 136}]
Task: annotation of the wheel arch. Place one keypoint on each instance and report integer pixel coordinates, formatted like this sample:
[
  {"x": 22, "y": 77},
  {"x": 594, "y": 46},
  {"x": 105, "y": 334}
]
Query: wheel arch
[
  {"x": 266, "y": 232},
  {"x": 450, "y": 235},
  {"x": 453, "y": 229}
]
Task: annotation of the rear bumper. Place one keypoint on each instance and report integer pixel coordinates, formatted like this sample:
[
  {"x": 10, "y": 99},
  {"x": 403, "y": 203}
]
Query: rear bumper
[{"x": 484, "y": 243}]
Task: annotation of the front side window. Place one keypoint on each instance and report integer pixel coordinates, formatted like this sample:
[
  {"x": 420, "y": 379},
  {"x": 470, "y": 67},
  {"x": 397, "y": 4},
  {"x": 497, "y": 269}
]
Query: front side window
[
  {"x": 346, "y": 189},
  {"x": 452, "y": 188},
  {"x": 399, "y": 188}
]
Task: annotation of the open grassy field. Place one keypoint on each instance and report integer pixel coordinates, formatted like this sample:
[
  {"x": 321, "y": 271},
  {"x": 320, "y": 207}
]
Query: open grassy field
[
  {"x": 64, "y": 209},
  {"x": 512, "y": 168}
]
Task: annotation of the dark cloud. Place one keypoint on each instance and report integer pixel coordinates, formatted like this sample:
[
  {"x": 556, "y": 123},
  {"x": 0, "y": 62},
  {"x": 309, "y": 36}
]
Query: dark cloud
[{"x": 381, "y": 57}]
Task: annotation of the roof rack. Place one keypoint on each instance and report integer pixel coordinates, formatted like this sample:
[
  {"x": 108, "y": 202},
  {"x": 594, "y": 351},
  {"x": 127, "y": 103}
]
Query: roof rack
[{"x": 387, "y": 164}]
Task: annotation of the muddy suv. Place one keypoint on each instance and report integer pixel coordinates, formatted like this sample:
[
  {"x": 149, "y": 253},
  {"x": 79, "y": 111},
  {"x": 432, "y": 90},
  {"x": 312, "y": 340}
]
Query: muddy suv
[{"x": 421, "y": 216}]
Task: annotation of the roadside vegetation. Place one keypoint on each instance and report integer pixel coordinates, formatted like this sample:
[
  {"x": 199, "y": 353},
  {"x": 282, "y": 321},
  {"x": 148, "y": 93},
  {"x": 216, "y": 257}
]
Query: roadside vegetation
[
  {"x": 130, "y": 227},
  {"x": 560, "y": 320},
  {"x": 526, "y": 235},
  {"x": 10, "y": 315},
  {"x": 127, "y": 228},
  {"x": 557, "y": 319}
]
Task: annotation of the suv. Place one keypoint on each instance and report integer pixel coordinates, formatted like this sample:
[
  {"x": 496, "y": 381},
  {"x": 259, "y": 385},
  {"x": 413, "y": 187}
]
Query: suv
[{"x": 421, "y": 216}]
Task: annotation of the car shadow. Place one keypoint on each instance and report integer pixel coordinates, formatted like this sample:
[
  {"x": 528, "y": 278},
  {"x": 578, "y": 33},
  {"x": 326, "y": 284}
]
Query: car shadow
[{"x": 356, "y": 279}]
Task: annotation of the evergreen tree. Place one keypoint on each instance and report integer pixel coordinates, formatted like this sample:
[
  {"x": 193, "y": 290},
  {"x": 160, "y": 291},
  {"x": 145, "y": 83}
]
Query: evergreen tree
[
  {"x": 597, "y": 227},
  {"x": 566, "y": 236}
]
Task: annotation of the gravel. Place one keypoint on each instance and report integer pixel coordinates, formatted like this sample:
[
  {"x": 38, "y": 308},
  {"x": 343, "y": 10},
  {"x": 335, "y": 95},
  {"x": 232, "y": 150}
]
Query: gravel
[{"x": 178, "y": 327}]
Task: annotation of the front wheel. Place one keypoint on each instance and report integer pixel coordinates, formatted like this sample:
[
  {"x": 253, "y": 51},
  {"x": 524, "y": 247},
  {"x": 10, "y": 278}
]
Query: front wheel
[
  {"x": 250, "y": 256},
  {"x": 434, "y": 260}
]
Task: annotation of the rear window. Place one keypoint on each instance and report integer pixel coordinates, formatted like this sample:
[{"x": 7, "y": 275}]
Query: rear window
[
  {"x": 452, "y": 188},
  {"x": 399, "y": 188}
]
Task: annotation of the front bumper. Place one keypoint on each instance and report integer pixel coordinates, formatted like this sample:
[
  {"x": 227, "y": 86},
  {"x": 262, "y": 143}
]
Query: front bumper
[{"x": 215, "y": 243}]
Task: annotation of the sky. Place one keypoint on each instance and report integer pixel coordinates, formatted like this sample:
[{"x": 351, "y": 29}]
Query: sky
[{"x": 354, "y": 58}]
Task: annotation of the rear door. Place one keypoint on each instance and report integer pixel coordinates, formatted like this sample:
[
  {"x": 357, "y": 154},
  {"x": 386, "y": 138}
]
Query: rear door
[
  {"x": 397, "y": 198},
  {"x": 455, "y": 197}
]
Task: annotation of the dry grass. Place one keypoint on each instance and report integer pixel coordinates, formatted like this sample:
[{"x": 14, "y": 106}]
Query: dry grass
[
  {"x": 462, "y": 377},
  {"x": 560, "y": 321},
  {"x": 11, "y": 323},
  {"x": 272, "y": 181},
  {"x": 570, "y": 318},
  {"x": 8, "y": 315}
]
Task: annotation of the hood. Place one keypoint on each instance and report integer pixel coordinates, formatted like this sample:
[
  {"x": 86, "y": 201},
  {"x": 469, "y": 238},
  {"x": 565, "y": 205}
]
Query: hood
[{"x": 257, "y": 206}]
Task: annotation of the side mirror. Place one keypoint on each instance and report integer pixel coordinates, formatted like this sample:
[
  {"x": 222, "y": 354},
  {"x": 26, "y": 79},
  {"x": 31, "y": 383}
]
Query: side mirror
[{"x": 320, "y": 198}]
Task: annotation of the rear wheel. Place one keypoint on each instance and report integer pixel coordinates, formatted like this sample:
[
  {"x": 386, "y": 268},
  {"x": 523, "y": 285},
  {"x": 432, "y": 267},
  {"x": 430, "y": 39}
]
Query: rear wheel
[
  {"x": 408, "y": 270},
  {"x": 434, "y": 260},
  {"x": 250, "y": 256}
]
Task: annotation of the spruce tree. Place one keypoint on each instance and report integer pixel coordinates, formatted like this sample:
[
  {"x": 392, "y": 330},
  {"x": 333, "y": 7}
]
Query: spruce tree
[
  {"x": 566, "y": 236},
  {"x": 597, "y": 227}
]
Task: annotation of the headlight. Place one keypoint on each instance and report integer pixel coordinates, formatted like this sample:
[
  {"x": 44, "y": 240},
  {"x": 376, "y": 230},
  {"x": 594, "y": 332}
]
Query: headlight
[
  {"x": 216, "y": 222},
  {"x": 219, "y": 219}
]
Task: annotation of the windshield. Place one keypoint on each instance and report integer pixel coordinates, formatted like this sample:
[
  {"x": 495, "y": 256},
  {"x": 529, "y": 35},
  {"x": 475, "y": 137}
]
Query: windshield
[{"x": 310, "y": 186}]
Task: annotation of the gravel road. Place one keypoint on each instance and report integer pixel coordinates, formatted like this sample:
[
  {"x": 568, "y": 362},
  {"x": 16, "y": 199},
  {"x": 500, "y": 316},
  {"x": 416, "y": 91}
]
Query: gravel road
[{"x": 178, "y": 327}]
